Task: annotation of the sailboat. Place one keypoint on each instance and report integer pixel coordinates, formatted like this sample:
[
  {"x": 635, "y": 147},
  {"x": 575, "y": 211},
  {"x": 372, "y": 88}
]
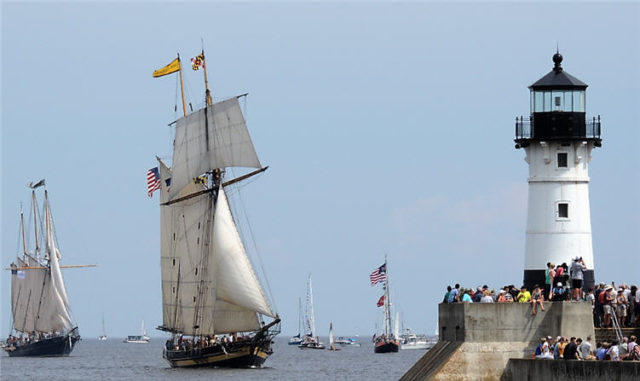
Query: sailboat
[
  {"x": 138, "y": 339},
  {"x": 42, "y": 324},
  {"x": 213, "y": 304},
  {"x": 332, "y": 339},
  {"x": 310, "y": 340},
  {"x": 103, "y": 337},
  {"x": 386, "y": 342},
  {"x": 297, "y": 339}
]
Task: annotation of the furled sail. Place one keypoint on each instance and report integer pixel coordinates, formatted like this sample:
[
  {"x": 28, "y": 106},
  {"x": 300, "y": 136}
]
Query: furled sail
[{"x": 210, "y": 138}]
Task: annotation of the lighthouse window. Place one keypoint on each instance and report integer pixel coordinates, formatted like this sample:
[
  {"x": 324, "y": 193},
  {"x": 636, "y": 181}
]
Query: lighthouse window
[
  {"x": 563, "y": 210},
  {"x": 562, "y": 160},
  {"x": 578, "y": 101}
]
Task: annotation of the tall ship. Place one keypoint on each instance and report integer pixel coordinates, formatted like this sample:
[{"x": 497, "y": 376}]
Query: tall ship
[
  {"x": 387, "y": 341},
  {"x": 213, "y": 303},
  {"x": 42, "y": 323}
]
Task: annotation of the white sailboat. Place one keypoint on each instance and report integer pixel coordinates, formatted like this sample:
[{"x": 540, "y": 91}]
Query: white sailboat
[
  {"x": 332, "y": 339},
  {"x": 310, "y": 340},
  {"x": 41, "y": 317},
  {"x": 213, "y": 304},
  {"x": 138, "y": 339},
  {"x": 103, "y": 337},
  {"x": 297, "y": 339}
]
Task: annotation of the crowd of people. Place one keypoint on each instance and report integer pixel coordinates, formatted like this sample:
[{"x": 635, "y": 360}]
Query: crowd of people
[
  {"x": 189, "y": 343},
  {"x": 31, "y": 337},
  {"x": 562, "y": 283},
  {"x": 577, "y": 349}
]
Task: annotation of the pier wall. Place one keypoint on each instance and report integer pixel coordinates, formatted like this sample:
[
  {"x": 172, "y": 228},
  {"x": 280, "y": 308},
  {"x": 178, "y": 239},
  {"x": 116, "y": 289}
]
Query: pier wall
[
  {"x": 533, "y": 370},
  {"x": 477, "y": 340},
  {"x": 513, "y": 322}
]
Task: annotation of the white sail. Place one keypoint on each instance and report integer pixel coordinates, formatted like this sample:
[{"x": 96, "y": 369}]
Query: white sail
[
  {"x": 184, "y": 261},
  {"x": 331, "y": 338},
  {"x": 21, "y": 291},
  {"x": 310, "y": 316},
  {"x": 236, "y": 282},
  {"x": 55, "y": 314},
  {"x": 39, "y": 297},
  {"x": 210, "y": 138}
]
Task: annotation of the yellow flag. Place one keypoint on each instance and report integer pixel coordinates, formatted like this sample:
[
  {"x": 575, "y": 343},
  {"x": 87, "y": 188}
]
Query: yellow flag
[{"x": 170, "y": 68}]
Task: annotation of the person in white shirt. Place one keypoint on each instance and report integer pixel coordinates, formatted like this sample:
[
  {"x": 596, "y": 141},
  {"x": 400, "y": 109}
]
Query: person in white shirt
[{"x": 585, "y": 349}]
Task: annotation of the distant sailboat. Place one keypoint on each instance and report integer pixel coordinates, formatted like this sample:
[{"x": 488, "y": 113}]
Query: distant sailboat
[
  {"x": 297, "y": 339},
  {"x": 42, "y": 324},
  {"x": 138, "y": 339},
  {"x": 387, "y": 341},
  {"x": 310, "y": 341},
  {"x": 103, "y": 337},
  {"x": 332, "y": 340}
]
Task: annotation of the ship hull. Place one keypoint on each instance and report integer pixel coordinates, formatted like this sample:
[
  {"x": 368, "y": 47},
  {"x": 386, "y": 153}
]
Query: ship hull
[
  {"x": 311, "y": 346},
  {"x": 386, "y": 347},
  {"x": 234, "y": 355},
  {"x": 52, "y": 347}
]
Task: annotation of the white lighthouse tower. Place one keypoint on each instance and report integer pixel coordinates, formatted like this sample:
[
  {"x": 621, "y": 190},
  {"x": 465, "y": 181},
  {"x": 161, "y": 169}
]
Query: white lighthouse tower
[{"x": 558, "y": 140}]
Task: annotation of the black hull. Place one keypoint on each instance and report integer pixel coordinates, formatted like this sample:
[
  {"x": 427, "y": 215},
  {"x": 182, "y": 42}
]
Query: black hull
[
  {"x": 233, "y": 355},
  {"x": 388, "y": 347},
  {"x": 52, "y": 347}
]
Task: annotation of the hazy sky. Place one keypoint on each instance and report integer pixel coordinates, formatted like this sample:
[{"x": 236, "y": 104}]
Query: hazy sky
[{"x": 387, "y": 127}]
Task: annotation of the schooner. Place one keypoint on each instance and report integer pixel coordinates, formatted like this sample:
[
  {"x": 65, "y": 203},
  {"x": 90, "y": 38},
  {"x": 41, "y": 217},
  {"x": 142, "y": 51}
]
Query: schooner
[
  {"x": 213, "y": 304},
  {"x": 42, "y": 324}
]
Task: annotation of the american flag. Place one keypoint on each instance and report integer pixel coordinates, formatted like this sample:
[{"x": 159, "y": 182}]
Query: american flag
[
  {"x": 379, "y": 274},
  {"x": 153, "y": 181}
]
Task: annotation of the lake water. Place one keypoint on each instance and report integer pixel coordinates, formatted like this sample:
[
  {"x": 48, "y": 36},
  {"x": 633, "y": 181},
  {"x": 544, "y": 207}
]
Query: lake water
[{"x": 114, "y": 360}]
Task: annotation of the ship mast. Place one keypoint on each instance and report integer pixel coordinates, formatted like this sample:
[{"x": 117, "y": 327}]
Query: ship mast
[
  {"x": 35, "y": 223},
  {"x": 24, "y": 238},
  {"x": 387, "y": 303},
  {"x": 184, "y": 104},
  {"x": 206, "y": 80}
]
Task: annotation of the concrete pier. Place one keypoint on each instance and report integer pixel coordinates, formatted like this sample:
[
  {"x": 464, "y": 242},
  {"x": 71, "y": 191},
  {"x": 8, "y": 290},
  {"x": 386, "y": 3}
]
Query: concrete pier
[{"x": 478, "y": 339}]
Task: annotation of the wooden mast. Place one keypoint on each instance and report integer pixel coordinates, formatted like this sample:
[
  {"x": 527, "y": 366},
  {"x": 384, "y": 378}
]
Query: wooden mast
[
  {"x": 35, "y": 223},
  {"x": 184, "y": 105},
  {"x": 24, "y": 239},
  {"x": 206, "y": 80}
]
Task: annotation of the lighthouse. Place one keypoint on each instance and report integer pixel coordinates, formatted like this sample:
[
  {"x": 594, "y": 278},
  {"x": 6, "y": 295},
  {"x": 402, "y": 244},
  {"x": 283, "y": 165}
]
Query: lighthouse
[{"x": 557, "y": 139}]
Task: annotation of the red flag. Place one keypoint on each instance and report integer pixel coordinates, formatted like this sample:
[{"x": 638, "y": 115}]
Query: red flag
[{"x": 381, "y": 301}]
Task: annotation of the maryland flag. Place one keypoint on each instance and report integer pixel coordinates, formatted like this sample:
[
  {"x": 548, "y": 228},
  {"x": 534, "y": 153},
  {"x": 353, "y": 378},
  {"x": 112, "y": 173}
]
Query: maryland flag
[
  {"x": 380, "y": 301},
  {"x": 198, "y": 62},
  {"x": 172, "y": 67}
]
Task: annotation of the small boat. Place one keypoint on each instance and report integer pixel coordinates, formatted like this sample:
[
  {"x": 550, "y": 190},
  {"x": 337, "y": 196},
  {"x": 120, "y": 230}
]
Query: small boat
[
  {"x": 410, "y": 340},
  {"x": 310, "y": 341},
  {"x": 41, "y": 318},
  {"x": 138, "y": 339},
  {"x": 332, "y": 340},
  {"x": 103, "y": 337},
  {"x": 297, "y": 339},
  {"x": 347, "y": 342}
]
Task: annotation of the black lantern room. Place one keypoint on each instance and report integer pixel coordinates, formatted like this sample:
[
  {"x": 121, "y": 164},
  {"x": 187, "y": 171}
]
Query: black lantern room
[{"x": 558, "y": 110}]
